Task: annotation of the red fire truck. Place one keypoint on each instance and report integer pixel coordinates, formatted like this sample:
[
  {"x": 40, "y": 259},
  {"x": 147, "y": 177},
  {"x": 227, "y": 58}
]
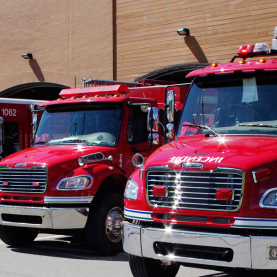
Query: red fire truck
[
  {"x": 18, "y": 116},
  {"x": 210, "y": 196},
  {"x": 75, "y": 175}
]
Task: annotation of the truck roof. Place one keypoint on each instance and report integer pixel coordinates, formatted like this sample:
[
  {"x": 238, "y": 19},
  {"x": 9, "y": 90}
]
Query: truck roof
[
  {"x": 113, "y": 93},
  {"x": 93, "y": 100},
  {"x": 244, "y": 65},
  {"x": 20, "y": 101}
]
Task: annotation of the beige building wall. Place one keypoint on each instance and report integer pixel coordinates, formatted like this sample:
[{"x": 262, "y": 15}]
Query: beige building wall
[
  {"x": 75, "y": 39},
  {"x": 147, "y": 39},
  {"x": 69, "y": 40}
]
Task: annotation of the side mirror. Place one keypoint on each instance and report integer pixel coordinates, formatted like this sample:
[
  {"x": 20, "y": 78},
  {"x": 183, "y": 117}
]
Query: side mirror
[
  {"x": 154, "y": 140},
  {"x": 170, "y": 130},
  {"x": 1, "y": 134},
  {"x": 35, "y": 124},
  {"x": 170, "y": 101},
  {"x": 153, "y": 120}
]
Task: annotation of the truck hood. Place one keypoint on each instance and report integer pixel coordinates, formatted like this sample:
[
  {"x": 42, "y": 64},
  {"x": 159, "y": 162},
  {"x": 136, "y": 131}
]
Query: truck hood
[
  {"x": 52, "y": 155},
  {"x": 241, "y": 152}
]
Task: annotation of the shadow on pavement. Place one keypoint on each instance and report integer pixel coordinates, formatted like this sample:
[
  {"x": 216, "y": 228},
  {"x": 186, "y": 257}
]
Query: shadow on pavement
[{"x": 65, "y": 247}]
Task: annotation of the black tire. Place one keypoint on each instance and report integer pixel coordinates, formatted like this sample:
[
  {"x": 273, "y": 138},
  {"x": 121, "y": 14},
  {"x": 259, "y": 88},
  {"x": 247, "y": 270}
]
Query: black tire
[
  {"x": 102, "y": 238},
  {"x": 17, "y": 236},
  {"x": 144, "y": 267}
]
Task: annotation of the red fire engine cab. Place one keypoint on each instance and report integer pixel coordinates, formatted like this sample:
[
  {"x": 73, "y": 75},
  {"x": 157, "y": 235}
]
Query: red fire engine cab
[
  {"x": 75, "y": 175},
  {"x": 18, "y": 115},
  {"x": 210, "y": 196}
]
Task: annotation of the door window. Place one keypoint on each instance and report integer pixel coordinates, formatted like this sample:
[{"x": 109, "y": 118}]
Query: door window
[{"x": 10, "y": 138}]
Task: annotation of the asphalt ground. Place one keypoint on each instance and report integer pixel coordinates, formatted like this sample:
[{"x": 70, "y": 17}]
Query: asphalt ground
[{"x": 58, "y": 255}]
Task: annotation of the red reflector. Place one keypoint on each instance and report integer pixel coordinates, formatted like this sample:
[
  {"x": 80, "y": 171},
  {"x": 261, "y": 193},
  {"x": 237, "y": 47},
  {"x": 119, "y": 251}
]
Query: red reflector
[
  {"x": 224, "y": 194},
  {"x": 5, "y": 183},
  {"x": 159, "y": 191},
  {"x": 261, "y": 175}
]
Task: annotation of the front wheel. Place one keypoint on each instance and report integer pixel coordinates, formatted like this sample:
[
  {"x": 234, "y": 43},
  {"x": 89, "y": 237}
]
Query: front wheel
[
  {"x": 103, "y": 229},
  {"x": 144, "y": 267},
  {"x": 17, "y": 236}
]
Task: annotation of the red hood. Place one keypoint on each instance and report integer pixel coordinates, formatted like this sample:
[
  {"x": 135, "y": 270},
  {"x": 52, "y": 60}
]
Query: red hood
[
  {"x": 231, "y": 151},
  {"x": 54, "y": 154}
]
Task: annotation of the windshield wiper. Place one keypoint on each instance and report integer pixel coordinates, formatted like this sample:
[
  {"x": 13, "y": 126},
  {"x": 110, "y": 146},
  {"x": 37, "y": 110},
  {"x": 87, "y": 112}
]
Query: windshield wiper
[
  {"x": 258, "y": 125},
  {"x": 202, "y": 127},
  {"x": 41, "y": 142}
]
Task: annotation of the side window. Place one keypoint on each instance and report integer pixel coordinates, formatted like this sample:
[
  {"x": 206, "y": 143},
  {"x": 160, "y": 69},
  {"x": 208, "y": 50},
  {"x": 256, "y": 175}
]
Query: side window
[
  {"x": 137, "y": 126},
  {"x": 10, "y": 138}
]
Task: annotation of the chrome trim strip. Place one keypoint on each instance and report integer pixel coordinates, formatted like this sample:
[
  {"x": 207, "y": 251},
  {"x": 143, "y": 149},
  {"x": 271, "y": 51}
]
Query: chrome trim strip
[
  {"x": 255, "y": 223},
  {"x": 138, "y": 215},
  {"x": 52, "y": 218},
  {"x": 220, "y": 170},
  {"x": 68, "y": 200}
]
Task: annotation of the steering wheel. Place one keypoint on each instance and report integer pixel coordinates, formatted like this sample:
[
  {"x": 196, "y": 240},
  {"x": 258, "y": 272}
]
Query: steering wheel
[
  {"x": 224, "y": 118},
  {"x": 238, "y": 113}
]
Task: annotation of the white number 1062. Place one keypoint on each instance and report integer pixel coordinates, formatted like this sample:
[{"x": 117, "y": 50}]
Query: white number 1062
[{"x": 9, "y": 112}]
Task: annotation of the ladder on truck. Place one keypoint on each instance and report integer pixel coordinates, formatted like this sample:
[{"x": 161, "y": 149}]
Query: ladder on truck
[{"x": 144, "y": 82}]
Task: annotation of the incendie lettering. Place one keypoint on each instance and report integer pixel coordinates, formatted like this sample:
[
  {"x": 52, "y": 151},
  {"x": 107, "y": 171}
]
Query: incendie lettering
[{"x": 198, "y": 159}]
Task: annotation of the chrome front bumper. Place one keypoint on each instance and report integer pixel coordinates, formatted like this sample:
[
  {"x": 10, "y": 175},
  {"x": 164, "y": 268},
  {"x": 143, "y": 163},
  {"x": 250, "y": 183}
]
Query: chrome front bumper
[
  {"x": 52, "y": 218},
  {"x": 248, "y": 252}
]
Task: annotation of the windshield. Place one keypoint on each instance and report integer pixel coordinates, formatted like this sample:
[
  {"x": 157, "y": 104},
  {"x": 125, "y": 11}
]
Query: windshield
[
  {"x": 240, "y": 103},
  {"x": 96, "y": 124}
]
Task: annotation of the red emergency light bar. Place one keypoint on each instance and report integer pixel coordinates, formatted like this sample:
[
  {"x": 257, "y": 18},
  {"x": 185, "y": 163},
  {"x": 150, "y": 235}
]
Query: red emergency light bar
[
  {"x": 99, "y": 90},
  {"x": 256, "y": 50}
]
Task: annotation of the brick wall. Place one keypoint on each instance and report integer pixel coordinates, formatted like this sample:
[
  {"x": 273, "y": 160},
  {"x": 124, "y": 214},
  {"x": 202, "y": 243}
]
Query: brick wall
[
  {"x": 68, "y": 38},
  {"x": 147, "y": 39},
  {"x": 74, "y": 39}
]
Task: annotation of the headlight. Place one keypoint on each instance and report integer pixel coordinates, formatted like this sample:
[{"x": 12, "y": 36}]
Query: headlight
[
  {"x": 269, "y": 199},
  {"x": 131, "y": 190},
  {"x": 75, "y": 183}
]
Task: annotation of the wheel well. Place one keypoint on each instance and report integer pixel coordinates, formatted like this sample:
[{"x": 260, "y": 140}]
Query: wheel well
[{"x": 112, "y": 183}]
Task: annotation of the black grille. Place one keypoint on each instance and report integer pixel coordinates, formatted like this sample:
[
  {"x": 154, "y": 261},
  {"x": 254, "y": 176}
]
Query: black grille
[
  {"x": 23, "y": 180},
  {"x": 191, "y": 218},
  {"x": 193, "y": 251},
  {"x": 195, "y": 189}
]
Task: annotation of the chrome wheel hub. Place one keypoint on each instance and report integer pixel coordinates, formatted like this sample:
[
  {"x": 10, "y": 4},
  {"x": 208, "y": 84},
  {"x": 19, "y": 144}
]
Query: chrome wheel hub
[{"x": 113, "y": 224}]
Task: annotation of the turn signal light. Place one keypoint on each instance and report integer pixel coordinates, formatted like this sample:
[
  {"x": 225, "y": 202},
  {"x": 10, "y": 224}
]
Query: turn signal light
[
  {"x": 159, "y": 191},
  {"x": 224, "y": 194},
  {"x": 261, "y": 175}
]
